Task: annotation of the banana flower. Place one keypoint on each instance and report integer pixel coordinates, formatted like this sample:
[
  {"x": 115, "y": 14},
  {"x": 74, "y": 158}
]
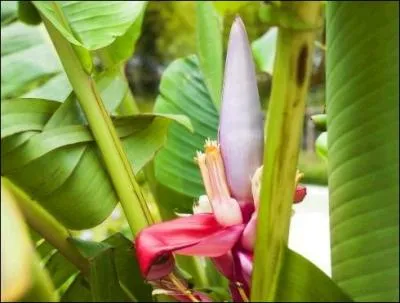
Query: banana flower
[{"x": 223, "y": 225}]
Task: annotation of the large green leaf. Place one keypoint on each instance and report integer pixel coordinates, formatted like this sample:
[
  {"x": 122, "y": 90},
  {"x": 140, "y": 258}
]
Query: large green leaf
[
  {"x": 48, "y": 150},
  {"x": 363, "y": 125},
  {"x": 91, "y": 24},
  {"x": 209, "y": 43},
  {"x": 183, "y": 91}
]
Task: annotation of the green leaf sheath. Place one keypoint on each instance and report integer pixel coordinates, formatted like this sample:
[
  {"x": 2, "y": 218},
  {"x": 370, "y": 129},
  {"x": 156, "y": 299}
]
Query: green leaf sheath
[
  {"x": 47, "y": 170},
  {"x": 363, "y": 145},
  {"x": 283, "y": 131}
]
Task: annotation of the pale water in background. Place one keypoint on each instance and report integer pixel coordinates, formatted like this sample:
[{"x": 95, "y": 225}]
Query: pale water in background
[{"x": 309, "y": 229}]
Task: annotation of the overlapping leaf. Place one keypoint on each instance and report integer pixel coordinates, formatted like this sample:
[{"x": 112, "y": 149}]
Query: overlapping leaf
[{"x": 48, "y": 150}]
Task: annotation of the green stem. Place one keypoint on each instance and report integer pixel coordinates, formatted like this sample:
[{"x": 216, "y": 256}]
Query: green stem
[
  {"x": 48, "y": 227},
  {"x": 116, "y": 162},
  {"x": 283, "y": 129},
  {"x": 131, "y": 197}
]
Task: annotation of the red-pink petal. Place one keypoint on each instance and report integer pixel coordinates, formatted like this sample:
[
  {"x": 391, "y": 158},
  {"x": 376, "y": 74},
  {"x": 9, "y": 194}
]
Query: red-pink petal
[
  {"x": 249, "y": 234},
  {"x": 300, "y": 193},
  {"x": 225, "y": 265},
  {"x": 199, "y": 235}
]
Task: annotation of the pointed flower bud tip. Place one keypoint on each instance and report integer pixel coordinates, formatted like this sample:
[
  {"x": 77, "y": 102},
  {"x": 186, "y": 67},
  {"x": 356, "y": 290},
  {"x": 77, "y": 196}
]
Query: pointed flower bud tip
[{"x": 241, "y": 122}]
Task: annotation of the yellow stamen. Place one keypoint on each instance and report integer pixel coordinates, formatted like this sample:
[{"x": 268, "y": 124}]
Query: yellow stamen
[
  {"x": 201, "y": 161},
  {"x": 226, "y": 209},
  {"x": 216, "y": 171},
  {"x": 213, "y": 171}
]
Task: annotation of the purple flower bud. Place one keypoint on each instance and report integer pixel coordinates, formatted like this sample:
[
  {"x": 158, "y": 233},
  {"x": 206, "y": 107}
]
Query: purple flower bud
[{"x": 241, "y": 123}]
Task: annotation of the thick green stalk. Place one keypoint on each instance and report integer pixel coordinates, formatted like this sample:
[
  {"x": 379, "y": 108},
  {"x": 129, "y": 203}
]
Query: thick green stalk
[
  {"x": 283, "y": 129},
  {"x": 116, "y": 162},
  {"x": 48, "y": 227}
]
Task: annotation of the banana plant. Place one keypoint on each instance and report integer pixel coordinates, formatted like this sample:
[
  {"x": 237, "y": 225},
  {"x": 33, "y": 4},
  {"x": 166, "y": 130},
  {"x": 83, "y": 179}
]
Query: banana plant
[{"x": 220, "y": 177}]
